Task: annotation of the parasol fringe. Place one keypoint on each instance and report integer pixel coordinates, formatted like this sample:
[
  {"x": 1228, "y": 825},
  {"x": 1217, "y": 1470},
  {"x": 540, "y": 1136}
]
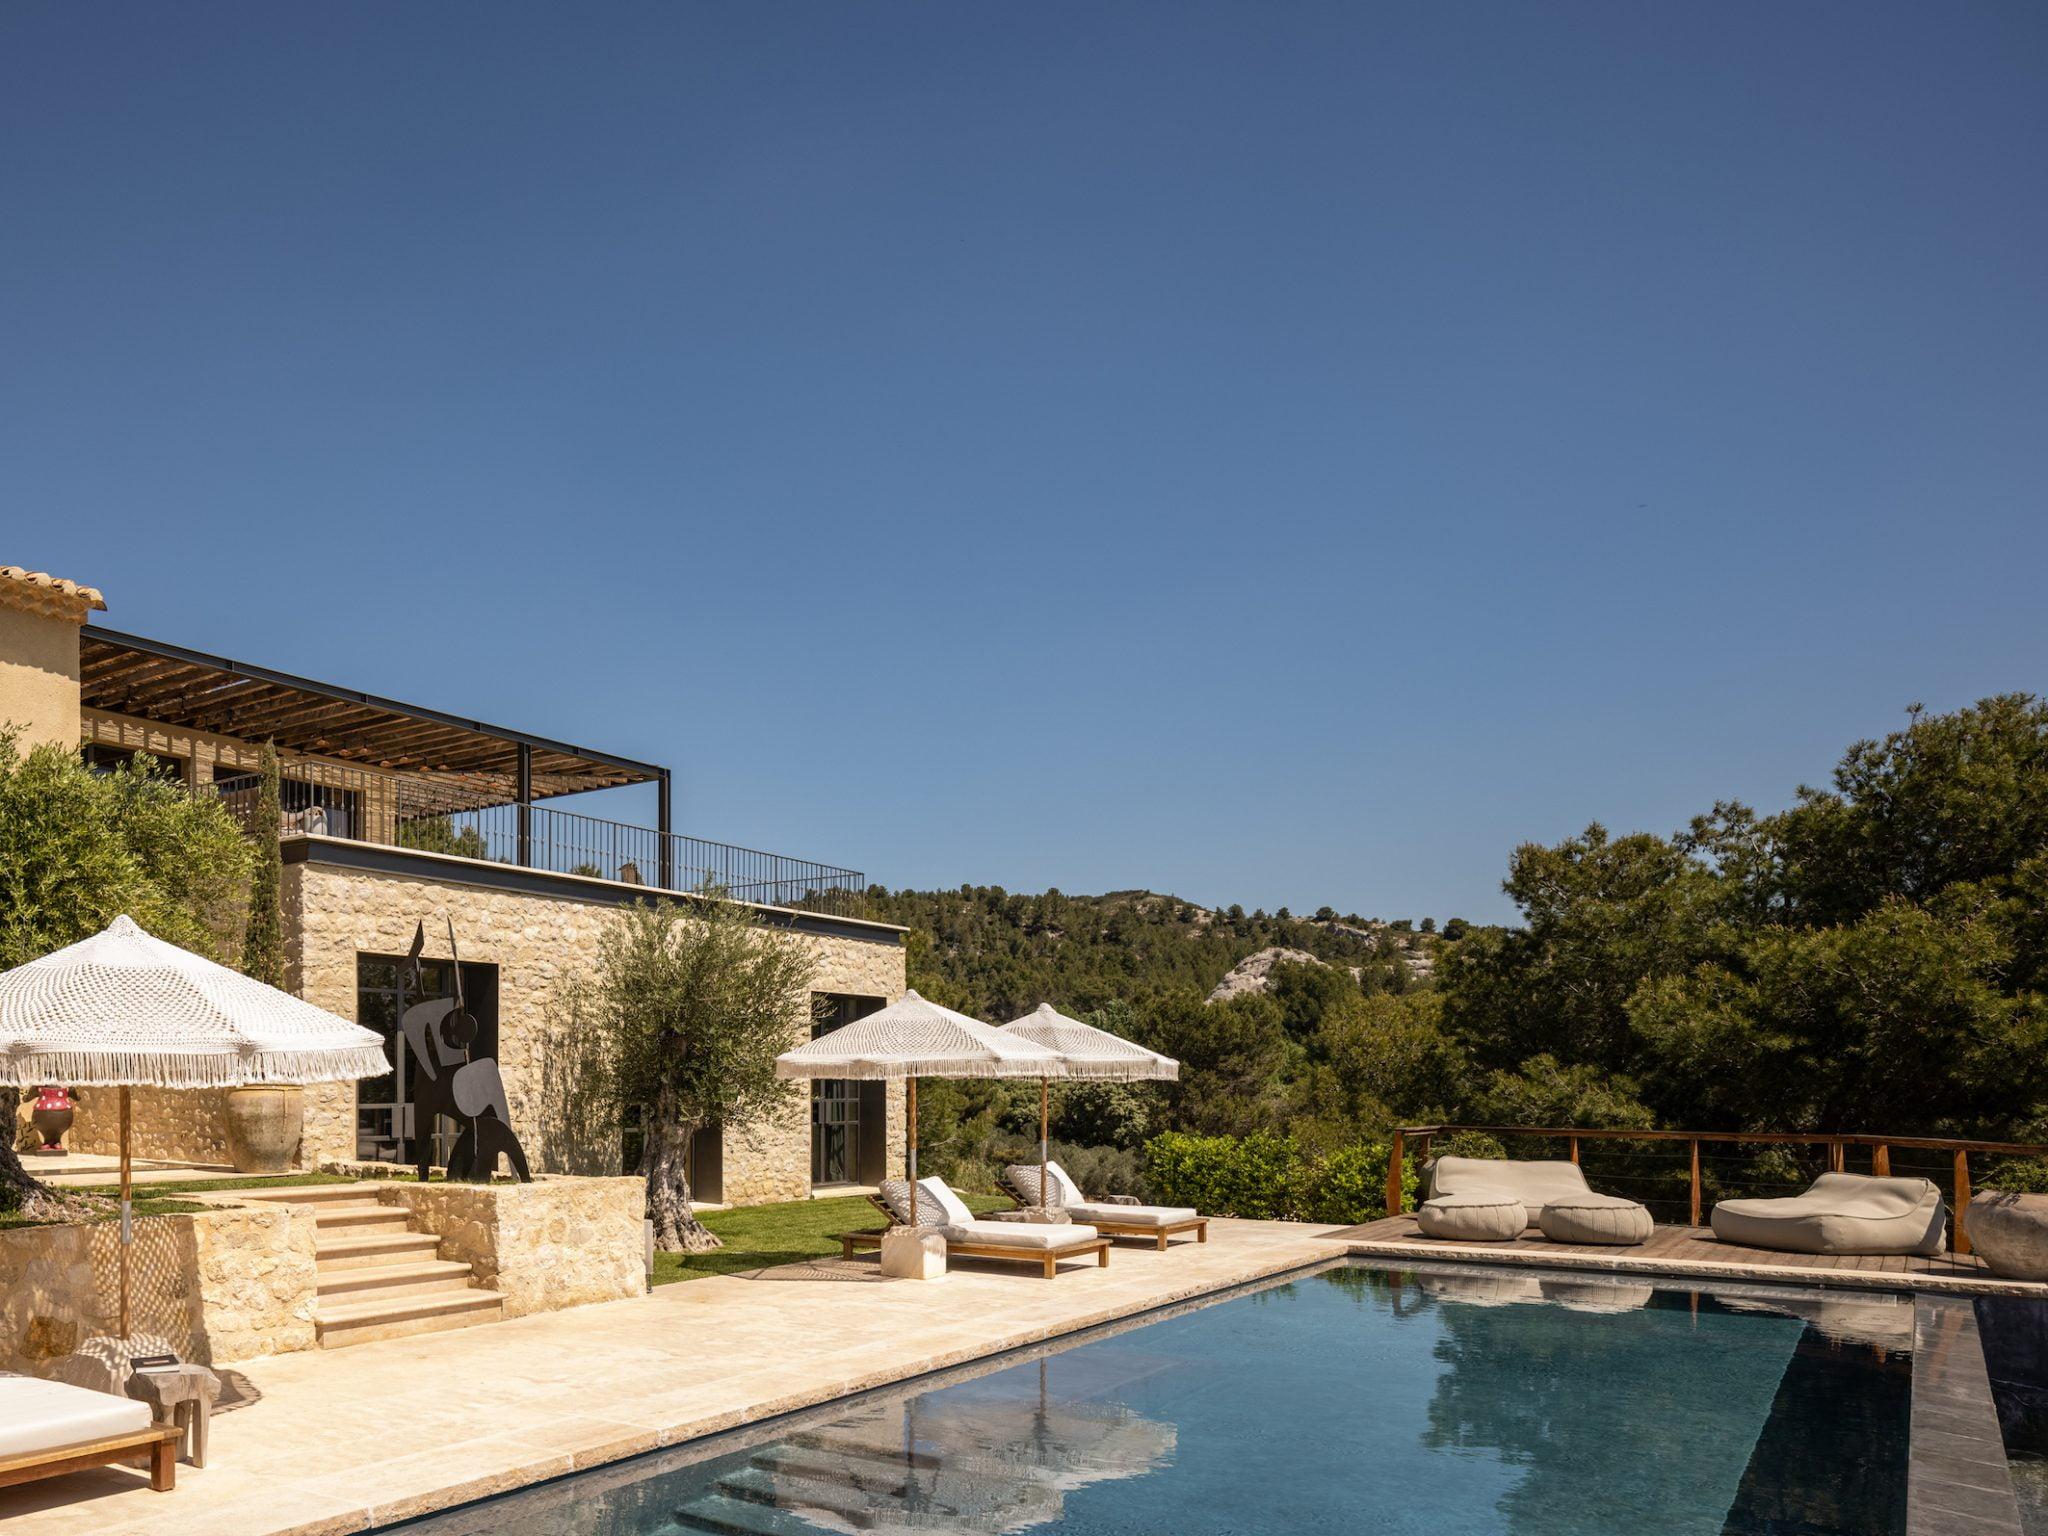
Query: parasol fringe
[{"x": 160, "y": 1068}]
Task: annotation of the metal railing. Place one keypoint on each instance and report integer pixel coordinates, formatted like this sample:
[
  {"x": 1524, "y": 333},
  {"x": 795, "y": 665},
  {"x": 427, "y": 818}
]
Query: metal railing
[
  {"x": 456, "y": 817},
  {"x": 1657, "y": 1184}
]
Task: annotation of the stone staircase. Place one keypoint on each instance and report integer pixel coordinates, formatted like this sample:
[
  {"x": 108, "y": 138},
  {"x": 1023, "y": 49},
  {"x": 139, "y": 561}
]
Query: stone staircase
[{"x": 379, "y": 1277}]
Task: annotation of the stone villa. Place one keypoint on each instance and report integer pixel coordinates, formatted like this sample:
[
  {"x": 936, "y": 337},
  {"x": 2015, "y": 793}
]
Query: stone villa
[{"x": 396, "y": 814}]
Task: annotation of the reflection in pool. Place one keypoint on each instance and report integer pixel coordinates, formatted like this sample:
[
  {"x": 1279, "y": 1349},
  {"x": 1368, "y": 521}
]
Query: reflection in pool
[{"x": 1356, "y": 1398}]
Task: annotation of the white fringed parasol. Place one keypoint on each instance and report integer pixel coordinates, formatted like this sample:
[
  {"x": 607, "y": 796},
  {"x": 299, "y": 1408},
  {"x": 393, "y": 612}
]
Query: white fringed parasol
[
  {"x": 124, "y": 1009},
  {"x": 1087, "y": 1053},
  {"x": 911, "y": 1038}
]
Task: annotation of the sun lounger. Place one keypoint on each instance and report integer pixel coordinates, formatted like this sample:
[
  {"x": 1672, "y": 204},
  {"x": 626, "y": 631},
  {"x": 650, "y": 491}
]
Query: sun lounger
[
  {"x": 1840, "y": 1213},
  {"x": 50, "y": 1427},
  {"x": 1116, "y": 1216},
  {"x": 968, "y": 1237}
]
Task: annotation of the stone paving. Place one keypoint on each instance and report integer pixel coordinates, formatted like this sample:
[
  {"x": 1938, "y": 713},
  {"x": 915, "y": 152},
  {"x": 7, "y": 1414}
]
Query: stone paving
[{"x": 345, "y": 1440}]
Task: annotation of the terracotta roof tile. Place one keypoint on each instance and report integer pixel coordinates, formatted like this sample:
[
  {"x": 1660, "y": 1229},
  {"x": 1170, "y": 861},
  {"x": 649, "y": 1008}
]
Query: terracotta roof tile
[{"x": 40, "y": 592}]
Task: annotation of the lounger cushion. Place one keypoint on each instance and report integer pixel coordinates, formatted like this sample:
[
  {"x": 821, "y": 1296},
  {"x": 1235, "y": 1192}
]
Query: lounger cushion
[
  {"x": 1019, "y": 1234},
  {"x": 38, "y": 1415},
  {"x": 954, "y": 1209},
  {"x": 1589, "y": 1218},
  {"x": 1840, "y": 1213},
  {"x": 1135, "y": 1215},
  {"x": 930, "y": 1213},
  {"x": 1478, "y": 1216}
]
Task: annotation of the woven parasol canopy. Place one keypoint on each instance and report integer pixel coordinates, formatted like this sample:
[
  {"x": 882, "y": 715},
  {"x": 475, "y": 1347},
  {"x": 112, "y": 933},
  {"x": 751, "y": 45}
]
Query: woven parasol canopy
[
  {"x": 124, "y": 1009},
  {"x": 911, "y": 1038},
  {"x": 1087, "y": 1053}
]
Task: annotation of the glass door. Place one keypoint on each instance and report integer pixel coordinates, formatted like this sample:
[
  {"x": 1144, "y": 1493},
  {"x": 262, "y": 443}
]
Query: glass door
[{"x": 837, "y": 1104}]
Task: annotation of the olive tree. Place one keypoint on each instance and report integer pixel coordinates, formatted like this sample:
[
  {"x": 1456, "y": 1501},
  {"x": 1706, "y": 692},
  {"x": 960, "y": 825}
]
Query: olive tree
[{"x": 684, "y": 1013}]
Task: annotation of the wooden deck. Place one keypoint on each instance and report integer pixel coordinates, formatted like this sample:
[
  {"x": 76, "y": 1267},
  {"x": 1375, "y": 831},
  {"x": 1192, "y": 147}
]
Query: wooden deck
[{"x": 1695, "y": 1253}]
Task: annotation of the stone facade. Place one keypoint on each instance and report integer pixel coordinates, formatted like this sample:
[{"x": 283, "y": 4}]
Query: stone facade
[
  {"x": 230, "y": 1284},
  {"x": 183, "y": 1125},
  {"x": 539, "y": 944},
  {"x": 543, "y": 1246},
  {"x": 39, "y": 622}
]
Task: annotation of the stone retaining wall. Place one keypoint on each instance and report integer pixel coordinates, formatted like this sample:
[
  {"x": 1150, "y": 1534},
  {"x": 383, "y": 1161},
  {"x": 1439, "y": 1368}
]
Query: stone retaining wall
[
  {"x": 543, "y": 1246},
  {"x": 219, "y": 1285}
]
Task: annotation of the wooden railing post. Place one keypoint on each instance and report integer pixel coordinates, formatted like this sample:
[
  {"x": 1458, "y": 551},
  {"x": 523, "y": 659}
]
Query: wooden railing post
[
  {"x": 1881, "y": 1161},
  {"x": 1959, "y": 1217},
  {"x": 1394, "y": 1200},
  {"x": 1836, "y": 1162},
  {"x": 1575, "y": 1149},
  {"x": 1695, "y": 1181}
]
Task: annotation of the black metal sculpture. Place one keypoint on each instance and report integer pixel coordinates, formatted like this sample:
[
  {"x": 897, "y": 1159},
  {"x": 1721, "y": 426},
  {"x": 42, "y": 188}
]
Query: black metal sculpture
[{"x": 448, "y": 1080}]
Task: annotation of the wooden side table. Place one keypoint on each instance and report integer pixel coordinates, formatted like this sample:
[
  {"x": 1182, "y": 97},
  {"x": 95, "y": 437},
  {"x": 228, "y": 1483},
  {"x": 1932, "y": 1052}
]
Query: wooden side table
[{"x": 182, "y": 1395}]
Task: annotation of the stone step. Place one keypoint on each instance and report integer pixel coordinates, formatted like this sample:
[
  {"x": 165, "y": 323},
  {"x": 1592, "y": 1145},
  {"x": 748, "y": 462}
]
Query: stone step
[
  {"x": 866, "y": 1474},
  {"x": 839, "y": 1443},
  {"x": 360, "y": 1218},
  {"x": 358, "y": 1250},
  {"x": 739, "y": 1517},
  {"x": 856, "y": 1507},
  {"x": 384, "y": 1281},
  {"x": 365, "y": 1321},
  {"x": 309, "y": 1194}
]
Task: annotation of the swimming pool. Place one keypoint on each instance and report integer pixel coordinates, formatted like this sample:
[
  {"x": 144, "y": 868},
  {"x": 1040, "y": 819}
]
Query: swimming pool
[{"x": 1359, "y": 1397}]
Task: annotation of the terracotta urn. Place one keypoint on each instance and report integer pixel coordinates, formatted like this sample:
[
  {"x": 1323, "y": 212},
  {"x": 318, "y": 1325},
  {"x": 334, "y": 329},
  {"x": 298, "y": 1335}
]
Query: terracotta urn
[
  {"x": 2010, "y": 1233},
  {"x": 52, "y": 1117},
  {"x": 264, "y": 1126}
]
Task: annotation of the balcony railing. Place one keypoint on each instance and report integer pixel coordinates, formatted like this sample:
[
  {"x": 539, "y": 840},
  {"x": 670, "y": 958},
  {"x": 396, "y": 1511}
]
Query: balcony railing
[
  {"x": 1680, "y": 1174},
  {"x": 453, "y": 816}
]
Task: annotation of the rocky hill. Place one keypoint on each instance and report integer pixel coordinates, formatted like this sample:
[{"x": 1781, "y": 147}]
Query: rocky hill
[{"x": 997, "y": 954}]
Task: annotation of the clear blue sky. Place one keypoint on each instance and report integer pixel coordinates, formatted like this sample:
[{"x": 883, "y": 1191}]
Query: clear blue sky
[{"x": 1277, "y": 454}]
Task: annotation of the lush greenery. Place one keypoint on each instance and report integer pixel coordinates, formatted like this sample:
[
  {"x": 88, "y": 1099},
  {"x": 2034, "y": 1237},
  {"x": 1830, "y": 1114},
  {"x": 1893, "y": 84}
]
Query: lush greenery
[
  {"x": 757, "y": 1236},
  {"x": 79, "y": 848},
  {"x": 1270, "y": 1178},
  {"x": 683, "y": 1015},
  {"x": 1872, "y": 958}
]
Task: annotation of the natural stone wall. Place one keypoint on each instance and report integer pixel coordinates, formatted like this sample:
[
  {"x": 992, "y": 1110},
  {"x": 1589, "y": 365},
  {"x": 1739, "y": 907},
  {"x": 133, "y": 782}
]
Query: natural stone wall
[
  {"x": 220, "y": 1285},
  {"x": 186, "y": 1125},
  {"x": 554, "y": 1243},
  {"x": 539, "y": 944}
]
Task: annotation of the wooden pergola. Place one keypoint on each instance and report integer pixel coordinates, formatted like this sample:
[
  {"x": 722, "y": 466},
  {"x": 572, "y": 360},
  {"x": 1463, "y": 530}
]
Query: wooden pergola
[{"x": 168, "y": 684}]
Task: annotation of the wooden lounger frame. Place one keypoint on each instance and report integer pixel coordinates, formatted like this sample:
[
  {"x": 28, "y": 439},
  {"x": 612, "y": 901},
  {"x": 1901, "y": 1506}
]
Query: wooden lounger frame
[
  {"x": 1048, "y": 1258},
  {"x": 156, "y": 1446}
]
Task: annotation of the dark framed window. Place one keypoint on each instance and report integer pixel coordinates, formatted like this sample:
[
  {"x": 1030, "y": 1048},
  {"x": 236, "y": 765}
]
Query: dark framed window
[{"x": 848, "y": 1131}]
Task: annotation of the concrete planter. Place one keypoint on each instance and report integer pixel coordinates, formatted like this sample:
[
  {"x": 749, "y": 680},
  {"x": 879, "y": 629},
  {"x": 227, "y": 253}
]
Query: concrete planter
[
  {"x": 2010, "y": 1233},
  {"x": 264, "y": 1125}
]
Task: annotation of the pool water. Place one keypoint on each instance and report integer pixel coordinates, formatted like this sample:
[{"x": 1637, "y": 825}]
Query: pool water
[{"x": 1356, "y": 1398}]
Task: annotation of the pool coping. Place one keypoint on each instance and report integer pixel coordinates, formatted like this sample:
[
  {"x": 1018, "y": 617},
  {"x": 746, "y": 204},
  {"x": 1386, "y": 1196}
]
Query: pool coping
[
  {"x": 1505, "y": 1256},
  {"x": 1958, "y": 1481}
]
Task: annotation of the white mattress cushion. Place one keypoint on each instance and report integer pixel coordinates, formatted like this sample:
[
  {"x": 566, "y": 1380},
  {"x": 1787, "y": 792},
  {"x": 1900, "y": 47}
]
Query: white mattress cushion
[
  {"x": 1134, "y": 1215},
  {"x": 38, "y": 1415},
  {"x": 1020, "y": 1234}
]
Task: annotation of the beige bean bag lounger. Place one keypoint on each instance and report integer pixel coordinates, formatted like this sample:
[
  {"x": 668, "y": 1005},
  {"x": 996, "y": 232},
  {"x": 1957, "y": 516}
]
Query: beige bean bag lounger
[
  {"x": 1841, "y": 1213},
  {"x": 1535, "y": 1184}
]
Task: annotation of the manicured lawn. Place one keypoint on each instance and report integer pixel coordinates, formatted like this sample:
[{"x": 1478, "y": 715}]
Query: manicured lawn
[
  {"x": 760, "y": 1235},
  {"x": 143, "y": 1207}
]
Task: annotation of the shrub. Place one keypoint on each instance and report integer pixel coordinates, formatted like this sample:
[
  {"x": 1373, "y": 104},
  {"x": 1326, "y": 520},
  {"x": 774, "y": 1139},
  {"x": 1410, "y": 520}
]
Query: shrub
[
  {"x": 2018, "y": 1176},
  {"x": 1268, "y": 1178}
]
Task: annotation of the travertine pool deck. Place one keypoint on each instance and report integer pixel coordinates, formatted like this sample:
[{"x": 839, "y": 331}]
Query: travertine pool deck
[
  {"x": 349, "y": 1439},
  {"x": 1694, "y": 1253}
]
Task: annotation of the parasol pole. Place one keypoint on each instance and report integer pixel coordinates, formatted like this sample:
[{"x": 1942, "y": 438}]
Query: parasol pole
[
  {"x": 910, "y": 1114},
  {"x": 1044, "y": 1123},
  {"x": 127, "y": 1212}
]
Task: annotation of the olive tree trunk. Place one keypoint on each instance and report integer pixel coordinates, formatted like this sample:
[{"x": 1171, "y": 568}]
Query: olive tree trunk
[
  {"x": 21, "y": 1190},
  {"x": 665, "y": 1160}
]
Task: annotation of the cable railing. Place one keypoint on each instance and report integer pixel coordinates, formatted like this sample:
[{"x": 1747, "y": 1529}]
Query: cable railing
[
  {"x": 454, "y": 817},
  {"x": 1679, "y": 1175}
]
